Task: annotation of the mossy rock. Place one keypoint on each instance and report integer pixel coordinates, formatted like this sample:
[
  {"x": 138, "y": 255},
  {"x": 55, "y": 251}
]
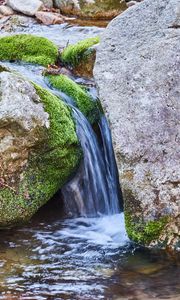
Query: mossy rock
[
  {"x": 84, "y": 102},
  {"x": 74, "y": 54},
  {"x": 97, "y": 9},
  {"x": 28, "y": 48},
  {"x": 143, "y": 232},
  {"x": 39, "y": 148}
]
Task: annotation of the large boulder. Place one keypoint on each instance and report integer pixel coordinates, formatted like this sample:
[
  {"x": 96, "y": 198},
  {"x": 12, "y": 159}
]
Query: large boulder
[
  {"x": 39, "y": 148},
  {"x": 95, "y": 9},
  {"x": 137, "y": 73},
  {"x": 25, "y": 6}
]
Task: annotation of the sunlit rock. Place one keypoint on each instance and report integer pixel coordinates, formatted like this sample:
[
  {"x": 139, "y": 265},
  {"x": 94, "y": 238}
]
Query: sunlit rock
[{"x": 137, "y": 73}]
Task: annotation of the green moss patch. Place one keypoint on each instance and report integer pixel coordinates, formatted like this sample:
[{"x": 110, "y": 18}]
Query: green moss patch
[
  {"x": 142, "y": 232},
  {"x": 82, "y": 99},
  {"x": 28, "y": 48},
  {"x": 49, "y": 165},
  {"x": 73, "y": 54}
]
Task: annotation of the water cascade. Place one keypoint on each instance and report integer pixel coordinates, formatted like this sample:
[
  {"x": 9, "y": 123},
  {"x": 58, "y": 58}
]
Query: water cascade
[{"x": 94, "y": 191}]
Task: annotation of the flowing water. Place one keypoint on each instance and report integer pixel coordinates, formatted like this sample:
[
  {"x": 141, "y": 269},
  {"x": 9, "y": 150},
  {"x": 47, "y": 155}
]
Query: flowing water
[{"x": 88, "y": 256}]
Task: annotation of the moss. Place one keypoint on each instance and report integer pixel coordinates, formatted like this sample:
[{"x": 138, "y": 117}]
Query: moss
[
  {"x": 49, "y": 165},
  {"x": 29, "y": 48},
  {"x": 73, "y": 54},
  {"x": 144, "y": 232},
  {"x": 82, "y": 99}
]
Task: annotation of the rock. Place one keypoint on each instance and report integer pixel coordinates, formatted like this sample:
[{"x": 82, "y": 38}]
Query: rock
[
  {"x": 95, "y": 9},
  {"x": 49, "y": 18},
  {"x": 81, "y": 57},
  {"x": 85, "y": 66},
  {"x": 29, "y": 48},
  {"x": 6, "y": 10},
  {"x": 47, "y": 3},
  {"x": 39, "y": 148},
  {"x": 25, "y": 6},
  {"x": 16, "y": 23},
  {"x": 131, "y": 3},
  {"x": 137, "y": 73}
]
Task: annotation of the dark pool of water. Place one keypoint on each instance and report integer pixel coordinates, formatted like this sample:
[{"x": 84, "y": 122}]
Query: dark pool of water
[{"x": 87, "y": 259}]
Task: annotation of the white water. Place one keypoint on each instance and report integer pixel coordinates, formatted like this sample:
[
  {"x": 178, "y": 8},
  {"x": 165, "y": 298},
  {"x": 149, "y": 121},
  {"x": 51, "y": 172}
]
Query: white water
[
  {"x": 108, "y": 231},
  {"x": 92, "y": 192}
]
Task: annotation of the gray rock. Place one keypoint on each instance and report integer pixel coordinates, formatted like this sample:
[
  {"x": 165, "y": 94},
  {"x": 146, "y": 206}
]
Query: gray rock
[
  {"x": 6, "y": 10},
  {"x": 38, "y": 150},
  {"x": 47, "y": 3},
  {"x": 25, "y": 6},
  {"x": 137, "y": 73}
]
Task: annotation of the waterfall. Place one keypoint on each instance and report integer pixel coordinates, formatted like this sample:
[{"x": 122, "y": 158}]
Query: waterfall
[{"x": 94, "y": 191}]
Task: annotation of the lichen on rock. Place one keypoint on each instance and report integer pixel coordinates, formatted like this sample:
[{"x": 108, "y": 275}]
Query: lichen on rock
[
  {"x": 28, "y": 48},
  {"x": 39, "y": 148}
]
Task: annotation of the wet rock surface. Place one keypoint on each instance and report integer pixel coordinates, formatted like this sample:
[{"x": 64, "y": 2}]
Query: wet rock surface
[{"x": 137, "y": 72}]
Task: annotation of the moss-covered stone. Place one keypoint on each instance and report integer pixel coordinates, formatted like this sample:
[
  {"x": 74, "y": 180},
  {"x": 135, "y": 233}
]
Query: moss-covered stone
[
  {"x": 29, "y": 48},
  {"x": 49, "y": 164},
  {"x": 73, "y": 54},
  {"x": 144, "y": 232},
  {"x": 97, "y": 9},
  {"x": 88, "y": 106}
]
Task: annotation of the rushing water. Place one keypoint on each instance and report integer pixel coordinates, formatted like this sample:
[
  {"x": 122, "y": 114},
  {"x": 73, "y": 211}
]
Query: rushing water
[
  {"x": 94, "y": 191},
  {"x": 85, "y": 258}
]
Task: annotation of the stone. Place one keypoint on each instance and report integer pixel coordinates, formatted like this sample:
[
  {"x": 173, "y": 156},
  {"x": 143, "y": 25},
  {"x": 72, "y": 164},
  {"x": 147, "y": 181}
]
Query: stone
[
  {"x": 137, "y": 74},
  {"x": 39, "y": 148},
  {"x": 131, "y": 3},
  {"x": 94, "y": 9},
  {"x": 6, "y": 10},
  {"x": 47, "y": 3},
  {"x": 49, "y": 18},
  {"x": 81, "y": 56},
  {"x": 25, "y": 6}
]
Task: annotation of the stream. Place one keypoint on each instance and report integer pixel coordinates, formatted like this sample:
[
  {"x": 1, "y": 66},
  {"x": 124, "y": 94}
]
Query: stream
[{"x": 76, "y": 246}]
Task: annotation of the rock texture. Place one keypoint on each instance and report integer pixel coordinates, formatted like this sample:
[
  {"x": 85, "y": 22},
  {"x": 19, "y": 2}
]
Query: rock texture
[
  {"x": 6, "y": 10},
  {"x": 137, "y": 72},
  {"x": 25, "y": 6},
  {"x": 39, "y": 148},
  {"x": 95, "y": 9},
  {"x": 49, "y": 18},
  {"x": 47, "y": 3}
]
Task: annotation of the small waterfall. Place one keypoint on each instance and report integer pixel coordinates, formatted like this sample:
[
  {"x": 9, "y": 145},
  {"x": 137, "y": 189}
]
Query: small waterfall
[{"x": 94, "y": 191}]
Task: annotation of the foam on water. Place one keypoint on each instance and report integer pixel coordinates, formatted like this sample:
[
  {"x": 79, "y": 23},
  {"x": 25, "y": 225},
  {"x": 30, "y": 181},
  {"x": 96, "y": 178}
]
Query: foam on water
[{"x": 106, "y": 231}]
